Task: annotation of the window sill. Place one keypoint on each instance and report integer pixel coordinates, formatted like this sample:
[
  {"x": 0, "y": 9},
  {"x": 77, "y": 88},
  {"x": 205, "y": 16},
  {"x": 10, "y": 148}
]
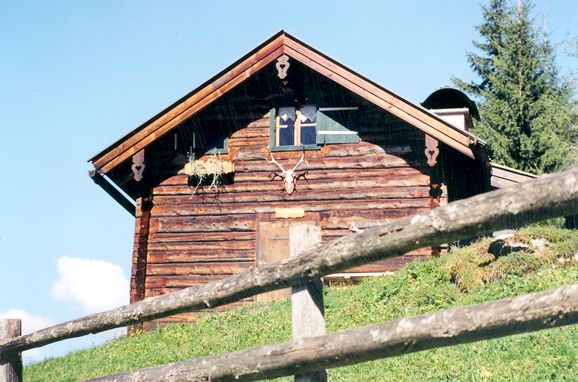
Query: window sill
[{"x": 295, "y": 148}]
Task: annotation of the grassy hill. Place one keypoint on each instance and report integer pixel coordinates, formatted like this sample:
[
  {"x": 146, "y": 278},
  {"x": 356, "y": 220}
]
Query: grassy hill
[{"x": 467, "y": 275}]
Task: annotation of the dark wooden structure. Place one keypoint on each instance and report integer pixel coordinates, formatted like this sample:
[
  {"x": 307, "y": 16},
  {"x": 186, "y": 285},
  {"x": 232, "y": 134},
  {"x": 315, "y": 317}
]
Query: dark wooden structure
[{"x": 204, "y": 175}]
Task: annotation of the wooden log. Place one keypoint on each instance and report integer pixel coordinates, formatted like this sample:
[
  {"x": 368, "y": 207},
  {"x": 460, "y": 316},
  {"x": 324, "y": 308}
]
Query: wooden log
[
  {"x": 322, "y": 195},
  {"x": 253, "y": 155},
  {"x": 138, "y": 276},
  {"x": 10, "y": 364},
  {"x": 205, "y": 268},
  {"x": 190, "y": 208},
  {"x": 309, "y": 184},
  {"x": 232, "y": 244},
  {"x": 393, "y": 174},
  {"x": 408, "y": 335},
  {"x": 118, "y": 196},
  {"x": 182, "y": 281},
  {"x": 369, "y": 161},
  {"x": 242, "y": 223},
  {"x": 139, "y": 260},
  {"x": 312, "y": 182},
  {"x": 257, "y": 173},
  {"x": 253, "y": 131},
  {"x": 200, "y": 256},
  {"x": 307, "y": 312},
  {"x": 546, "y": 197},
  {"x": 198, "y": 237},
  {"x": 337, "y": 174}
]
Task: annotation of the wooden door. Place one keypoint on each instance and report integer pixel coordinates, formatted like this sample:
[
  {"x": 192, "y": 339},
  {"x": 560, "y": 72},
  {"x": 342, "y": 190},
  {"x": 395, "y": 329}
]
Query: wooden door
[{"x": 273, "y": 245}]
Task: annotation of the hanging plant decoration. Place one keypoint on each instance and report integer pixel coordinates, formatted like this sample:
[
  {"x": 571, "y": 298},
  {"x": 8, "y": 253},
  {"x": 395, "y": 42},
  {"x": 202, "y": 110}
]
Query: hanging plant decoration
[{"x": 212, "y": 172}]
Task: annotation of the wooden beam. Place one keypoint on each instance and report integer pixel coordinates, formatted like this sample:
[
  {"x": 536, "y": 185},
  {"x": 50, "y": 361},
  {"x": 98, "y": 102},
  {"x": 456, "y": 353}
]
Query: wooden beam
[
  {"x": 549, "y": 196},
  {"x": 140, "y": 255},
  {"x": 307, "y": 310},
  {"x": 141, "y": 249},
  {"x": 126, "y": 203},
  {"x": 10, "y": 364},
  {"x": 449, "y": 327}
]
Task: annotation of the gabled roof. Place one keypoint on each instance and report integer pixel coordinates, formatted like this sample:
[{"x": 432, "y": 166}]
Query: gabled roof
[{"x": 282, "y": 43}]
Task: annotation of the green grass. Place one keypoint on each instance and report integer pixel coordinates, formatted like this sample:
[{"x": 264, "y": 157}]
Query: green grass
[{"x": 465, "y": 276}]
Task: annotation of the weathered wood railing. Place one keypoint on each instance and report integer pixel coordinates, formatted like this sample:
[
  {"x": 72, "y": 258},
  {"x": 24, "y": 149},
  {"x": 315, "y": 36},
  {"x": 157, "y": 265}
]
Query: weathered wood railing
[
  {"x": 444, "y": 328},
  {"x": 546, "y": 197}
]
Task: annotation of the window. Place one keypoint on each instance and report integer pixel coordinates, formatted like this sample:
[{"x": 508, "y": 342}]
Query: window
[
  {"x": 308, "y": 123},
  {"x": 294, "y": 128}
]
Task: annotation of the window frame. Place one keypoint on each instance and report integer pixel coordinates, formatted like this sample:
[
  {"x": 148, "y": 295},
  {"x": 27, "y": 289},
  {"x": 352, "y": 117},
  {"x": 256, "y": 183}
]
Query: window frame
[
  {"x": 275, "y": 128},
  {"x": 328, "y": 129}
]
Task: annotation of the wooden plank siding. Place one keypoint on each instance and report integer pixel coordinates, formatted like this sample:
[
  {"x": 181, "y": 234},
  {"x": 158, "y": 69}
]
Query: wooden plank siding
[
  {"x": 186, "y": 239},
  {"x": 196, "y": 239}
]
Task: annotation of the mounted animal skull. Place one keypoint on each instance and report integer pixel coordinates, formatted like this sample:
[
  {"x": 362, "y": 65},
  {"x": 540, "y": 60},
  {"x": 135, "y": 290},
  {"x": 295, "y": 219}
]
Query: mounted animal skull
[{"x": 288, "y": 176}]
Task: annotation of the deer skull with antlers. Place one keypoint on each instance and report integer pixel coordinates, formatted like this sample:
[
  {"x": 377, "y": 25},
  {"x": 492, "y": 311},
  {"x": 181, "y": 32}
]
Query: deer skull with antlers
[{"x": 288, "y": 176}]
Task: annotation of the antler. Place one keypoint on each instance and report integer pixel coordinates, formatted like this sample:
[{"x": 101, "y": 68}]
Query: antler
[
  {"x": 274, "y": 161},
  {"x": 288, "y": 176},
  {"x": 298, "y": 163}
]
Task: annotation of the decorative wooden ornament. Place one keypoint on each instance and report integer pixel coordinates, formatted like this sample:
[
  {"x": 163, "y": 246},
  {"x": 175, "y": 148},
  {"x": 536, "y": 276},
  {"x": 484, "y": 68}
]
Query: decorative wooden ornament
[
  {"x": 138, "y": 165},
  {"x": 431, "y": 150},
  {"x": 282, "y": 66}
]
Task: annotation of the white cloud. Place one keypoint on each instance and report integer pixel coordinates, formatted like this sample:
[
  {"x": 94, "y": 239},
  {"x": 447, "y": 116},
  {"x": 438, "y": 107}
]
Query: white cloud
[
  {"x": 94, "y": 284},
  {"x": 30, "y": 322}
]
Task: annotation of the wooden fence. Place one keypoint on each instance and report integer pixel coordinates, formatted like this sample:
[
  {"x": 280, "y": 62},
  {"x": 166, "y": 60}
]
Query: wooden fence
[{"x": 546, "y": 197}]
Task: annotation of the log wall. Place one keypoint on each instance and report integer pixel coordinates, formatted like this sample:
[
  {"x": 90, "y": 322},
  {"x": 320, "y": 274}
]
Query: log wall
[{"x": 196, "y": 239}]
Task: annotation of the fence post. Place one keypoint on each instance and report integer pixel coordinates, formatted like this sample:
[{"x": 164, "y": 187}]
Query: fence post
[
  {"x": 307, "y": 301},
  {"x": 11, "y": 363}
]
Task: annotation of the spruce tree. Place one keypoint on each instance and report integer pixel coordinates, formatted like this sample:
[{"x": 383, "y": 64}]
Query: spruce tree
[{"x": 528, "y": 115}]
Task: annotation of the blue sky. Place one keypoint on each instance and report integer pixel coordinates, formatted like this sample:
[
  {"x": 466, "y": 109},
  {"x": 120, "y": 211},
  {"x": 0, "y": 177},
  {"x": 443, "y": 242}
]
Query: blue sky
[{"x": 76, "y": 76}]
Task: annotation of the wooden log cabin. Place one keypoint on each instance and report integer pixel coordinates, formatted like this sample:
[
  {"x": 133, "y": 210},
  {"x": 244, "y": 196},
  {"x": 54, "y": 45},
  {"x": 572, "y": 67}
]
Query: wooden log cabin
[{"x": 284, "y": 135}]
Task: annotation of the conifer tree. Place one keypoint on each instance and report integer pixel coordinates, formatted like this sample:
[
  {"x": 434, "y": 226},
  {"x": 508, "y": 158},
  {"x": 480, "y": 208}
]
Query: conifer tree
[{"x": 527, "y": 110}]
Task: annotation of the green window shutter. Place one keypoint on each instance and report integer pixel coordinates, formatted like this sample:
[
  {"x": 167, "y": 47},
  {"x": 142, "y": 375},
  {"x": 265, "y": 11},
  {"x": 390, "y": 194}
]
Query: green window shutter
[
  {"x": 272, "y": 128},
  {"x": 331, "y": 128}
]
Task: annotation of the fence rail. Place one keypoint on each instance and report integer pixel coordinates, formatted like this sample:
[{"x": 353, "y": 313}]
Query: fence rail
[
  {"x": 444, "y": 328},
  {"x": 546, "y": 197}
]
